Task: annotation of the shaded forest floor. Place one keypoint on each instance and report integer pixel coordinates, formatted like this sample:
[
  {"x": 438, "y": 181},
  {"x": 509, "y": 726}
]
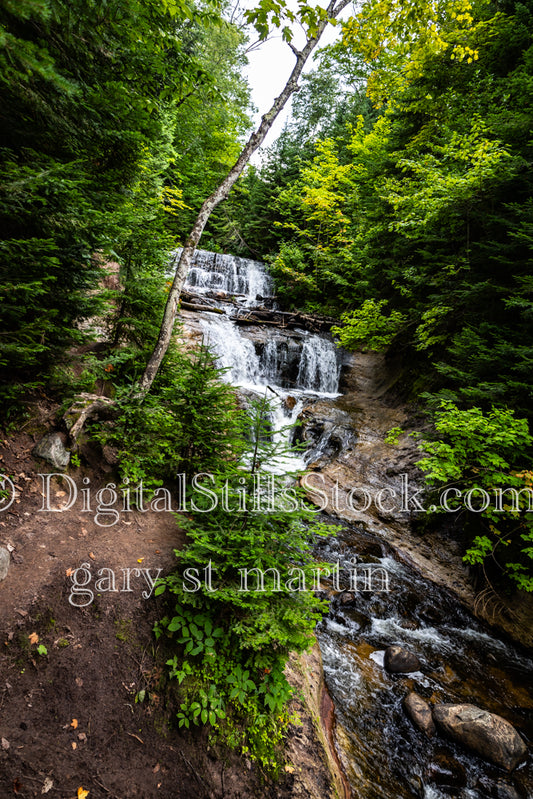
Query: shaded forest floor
[{"x": 69, "y": 717}]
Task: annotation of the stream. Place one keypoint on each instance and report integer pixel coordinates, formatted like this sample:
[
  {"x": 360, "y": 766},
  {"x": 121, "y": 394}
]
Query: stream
[{"x": 462, "y": 660}]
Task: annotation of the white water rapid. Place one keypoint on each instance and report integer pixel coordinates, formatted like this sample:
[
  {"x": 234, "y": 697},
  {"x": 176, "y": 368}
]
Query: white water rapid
[
  {"x": 285, "y": 366},
  {"x": 239, "y": 278}
]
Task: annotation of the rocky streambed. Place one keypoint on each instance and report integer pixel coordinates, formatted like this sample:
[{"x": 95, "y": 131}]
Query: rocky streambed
[{"x": 412, "y": 591}]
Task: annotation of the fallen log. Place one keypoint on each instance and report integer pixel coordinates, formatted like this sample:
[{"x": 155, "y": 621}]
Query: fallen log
[
  {"x": 190, "y": 306},
  {"x": 246, "y": 320}
]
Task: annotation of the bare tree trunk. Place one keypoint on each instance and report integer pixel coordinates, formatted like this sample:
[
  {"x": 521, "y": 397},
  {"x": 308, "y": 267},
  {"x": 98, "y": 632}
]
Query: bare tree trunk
[{"x": 221, "y": 192}]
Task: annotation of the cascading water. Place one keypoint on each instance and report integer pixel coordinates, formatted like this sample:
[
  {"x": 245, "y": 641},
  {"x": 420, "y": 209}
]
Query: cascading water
[
  {"x": 285, "y": 368},
  {"x": 383, "y": 754},
  {"x": 234, "y": 353},
  {"x": 236, "y": 277},
  {"x": 319, "y": 369}
]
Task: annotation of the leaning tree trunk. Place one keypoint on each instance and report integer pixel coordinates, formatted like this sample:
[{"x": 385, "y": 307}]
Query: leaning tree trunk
[{"x": 221, "y": 192}]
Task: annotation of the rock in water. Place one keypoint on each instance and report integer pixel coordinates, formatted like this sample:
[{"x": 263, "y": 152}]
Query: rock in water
[
  {"x": 419, "y": 712},
  {"x": 484, "y": 733},
  {"x": 505, "y": 791},
  {"x": 52, "y": 449},
  {"x": 400, "y": 661},
  {"x": 446, "y": 771},
  {"x": 5, "y": 560}
]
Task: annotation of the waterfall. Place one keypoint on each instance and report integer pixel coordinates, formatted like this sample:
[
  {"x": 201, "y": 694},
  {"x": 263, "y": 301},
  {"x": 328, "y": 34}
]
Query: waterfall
[
  {"x": 234, "y": 352},
  {"x": 312, "y": 358},
  {"x": 285, "y": 366},
  {"x": 213, "y": 272},
  {"x": 319, "y": 370}
]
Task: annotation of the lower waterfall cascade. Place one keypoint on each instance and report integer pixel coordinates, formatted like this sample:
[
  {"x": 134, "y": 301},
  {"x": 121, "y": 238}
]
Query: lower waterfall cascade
[{"x": 462, "y": 660}]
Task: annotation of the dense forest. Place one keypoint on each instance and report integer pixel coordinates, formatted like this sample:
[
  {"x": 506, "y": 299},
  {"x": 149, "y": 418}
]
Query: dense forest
[{"x": 398, "y": 199}]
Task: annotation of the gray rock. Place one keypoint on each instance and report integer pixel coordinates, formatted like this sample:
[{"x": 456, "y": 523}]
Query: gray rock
[
  {"x": 52, "y": 449},
  {"x": 5, "y": 560},
  {"x": 419, "y": 712},
  {"x": 400, "y": 661},
  {"x": 482, "y": 732}
]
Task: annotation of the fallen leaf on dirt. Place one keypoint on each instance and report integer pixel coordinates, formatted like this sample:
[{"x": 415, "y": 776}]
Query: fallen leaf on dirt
[
  {"x": 69, "y": 571},
  {"x": 140, "y": 560},
  {"x": 79, "y": 682},
  {"x": 74, "y": 723},
  {"x": 289, "y": 769},
  {"x": 156, "y": 768},
  {"x": 82, "y": 794},
  {"x": 60, "y": 493},
  {"x": 158, "y": 552},
  {"x": 74, "y": 745},
  {"x": 82, "y": 736},
  {"x": 91, "y": 556},
  {"x": 33, "y": 638},
  {"x": 5, "y": 743},
  {"x": 47, "y": 785}
]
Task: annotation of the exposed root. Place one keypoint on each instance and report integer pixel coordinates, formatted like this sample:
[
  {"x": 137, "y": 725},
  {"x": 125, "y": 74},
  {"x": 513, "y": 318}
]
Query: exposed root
[{"x": 87, "y": 406}]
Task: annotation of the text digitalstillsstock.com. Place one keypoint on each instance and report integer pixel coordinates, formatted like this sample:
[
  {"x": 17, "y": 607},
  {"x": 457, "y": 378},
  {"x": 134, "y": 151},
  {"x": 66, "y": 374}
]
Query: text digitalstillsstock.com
[{"x": 263, "y": 494}]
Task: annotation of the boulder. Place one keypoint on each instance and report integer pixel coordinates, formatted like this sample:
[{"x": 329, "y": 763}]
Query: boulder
[
  {"x": 419, "y": 712},
  {"x": 484, "y": 733},
  {"x": 5, "y": 560},
  {"x": 400, "y": 661},
  {"x": 52, "y": 449}
]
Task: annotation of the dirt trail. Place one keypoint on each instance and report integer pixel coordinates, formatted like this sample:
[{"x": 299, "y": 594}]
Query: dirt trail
[{"x": 71, "y": 717}]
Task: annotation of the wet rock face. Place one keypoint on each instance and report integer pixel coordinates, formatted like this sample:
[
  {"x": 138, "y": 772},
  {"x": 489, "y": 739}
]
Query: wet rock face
[
  {"x": 52, "y": 449},
  {"x": 419, "y": 712},
  {"x": 327, "y": 432},
  {"x": 482, "y": 732},
  {"x": 280, "y": 358},
  {"x": 400, "y": 661},
  {"x": 497, "y": 790},
  {"x": 504, "y": 791},
  {"x": 446, "y": 772}
]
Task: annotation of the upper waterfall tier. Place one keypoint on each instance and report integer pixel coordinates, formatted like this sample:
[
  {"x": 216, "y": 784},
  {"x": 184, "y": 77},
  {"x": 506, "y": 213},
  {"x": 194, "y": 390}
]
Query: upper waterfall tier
[{"x": 216, "y": 272}]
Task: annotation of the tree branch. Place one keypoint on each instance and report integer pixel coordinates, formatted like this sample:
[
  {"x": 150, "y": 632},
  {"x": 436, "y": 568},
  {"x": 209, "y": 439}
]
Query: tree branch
[{"x": 221, "y": 192}]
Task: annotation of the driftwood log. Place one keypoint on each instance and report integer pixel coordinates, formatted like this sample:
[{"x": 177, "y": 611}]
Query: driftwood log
[
  {"x": 258, "y": 316},
  {"x": 314, "y": 324},
  {"x": 189, "y": 306}
]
